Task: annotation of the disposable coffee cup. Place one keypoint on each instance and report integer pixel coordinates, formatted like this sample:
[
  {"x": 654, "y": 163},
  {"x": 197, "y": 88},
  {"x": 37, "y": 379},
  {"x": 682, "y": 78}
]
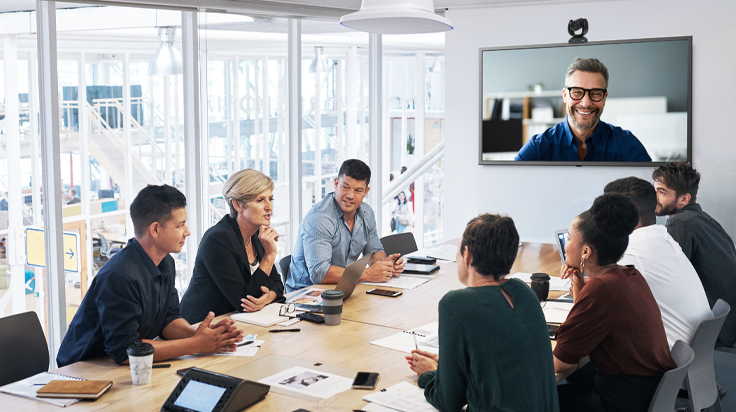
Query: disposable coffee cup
[
  {"x": 140, "y": 357},
  {"x": 332, "y": 306},
  {"x": 540, "y": 285}
]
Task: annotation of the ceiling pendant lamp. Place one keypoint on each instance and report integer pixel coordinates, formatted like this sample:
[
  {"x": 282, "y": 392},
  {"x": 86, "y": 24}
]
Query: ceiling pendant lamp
[
  {"x": 318, "y": 64},
  {"x": 167, "y": 60},
  {"x": 396, "y": 17}
]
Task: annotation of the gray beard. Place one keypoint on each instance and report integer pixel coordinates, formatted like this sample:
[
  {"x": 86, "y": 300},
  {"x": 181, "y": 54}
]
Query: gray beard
[{"x": 573, "y": 120}]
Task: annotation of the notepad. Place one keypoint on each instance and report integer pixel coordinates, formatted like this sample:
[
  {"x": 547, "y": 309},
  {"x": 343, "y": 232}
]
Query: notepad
[
  {"x": 268, "y": 316},
  {"x": 427, "y": 339},
  {"x": 27, "y": 388},
  {"x": 74, "y": 389}
]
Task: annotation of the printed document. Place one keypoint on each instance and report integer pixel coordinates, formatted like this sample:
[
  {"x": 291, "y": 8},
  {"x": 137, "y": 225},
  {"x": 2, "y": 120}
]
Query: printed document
[{"x": 309, "y": 382}]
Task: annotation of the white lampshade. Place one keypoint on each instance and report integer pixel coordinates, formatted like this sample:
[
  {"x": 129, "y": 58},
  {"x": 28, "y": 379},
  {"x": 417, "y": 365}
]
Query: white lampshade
[
  {"x": 396, "y": 17},
  {"x": 318, "y": 64},
  {"x": 167, "y": 59}
]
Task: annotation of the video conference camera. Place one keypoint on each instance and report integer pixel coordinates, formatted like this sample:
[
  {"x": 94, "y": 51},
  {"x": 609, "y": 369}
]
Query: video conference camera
[{"x": 575, "y": 25}]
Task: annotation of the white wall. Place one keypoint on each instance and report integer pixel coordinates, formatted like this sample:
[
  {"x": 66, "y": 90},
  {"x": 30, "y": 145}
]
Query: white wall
[{"x": 542, "y": 199}]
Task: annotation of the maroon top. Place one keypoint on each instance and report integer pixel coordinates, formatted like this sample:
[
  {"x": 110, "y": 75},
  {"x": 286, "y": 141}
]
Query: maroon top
[{"x": 616, "y": 321}]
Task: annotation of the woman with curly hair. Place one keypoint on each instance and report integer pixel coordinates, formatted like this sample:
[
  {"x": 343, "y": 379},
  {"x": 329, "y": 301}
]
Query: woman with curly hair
[{"x": 615, "y": 319}]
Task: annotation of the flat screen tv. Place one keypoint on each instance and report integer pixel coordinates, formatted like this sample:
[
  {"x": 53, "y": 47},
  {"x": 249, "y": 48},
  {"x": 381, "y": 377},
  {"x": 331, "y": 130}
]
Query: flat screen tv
[{"x": 535, "y": 110}]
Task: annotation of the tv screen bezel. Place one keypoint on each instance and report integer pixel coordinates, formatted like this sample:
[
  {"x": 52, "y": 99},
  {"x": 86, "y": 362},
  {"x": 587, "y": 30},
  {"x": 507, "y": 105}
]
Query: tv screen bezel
[{"x": 582, "y": 163}]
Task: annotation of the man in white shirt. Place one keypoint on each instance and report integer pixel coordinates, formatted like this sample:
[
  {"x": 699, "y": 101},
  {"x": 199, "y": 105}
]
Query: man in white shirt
[{"x": 659, "y": 258}]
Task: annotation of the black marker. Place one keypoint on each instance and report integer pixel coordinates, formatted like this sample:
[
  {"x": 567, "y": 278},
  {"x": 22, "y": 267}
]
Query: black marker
[{"x": 284, "y": 330}]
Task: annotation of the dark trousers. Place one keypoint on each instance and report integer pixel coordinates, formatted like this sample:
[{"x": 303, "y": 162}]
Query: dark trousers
[{"x": 588, "y": 391}]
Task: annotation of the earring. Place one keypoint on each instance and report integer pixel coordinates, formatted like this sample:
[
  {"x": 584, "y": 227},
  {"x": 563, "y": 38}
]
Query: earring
[{"x": 582, "y": 265}]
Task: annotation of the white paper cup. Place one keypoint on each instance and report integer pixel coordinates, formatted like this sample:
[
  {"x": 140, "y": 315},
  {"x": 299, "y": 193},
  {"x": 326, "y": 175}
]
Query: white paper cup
[{"x": 140, "y": 357}]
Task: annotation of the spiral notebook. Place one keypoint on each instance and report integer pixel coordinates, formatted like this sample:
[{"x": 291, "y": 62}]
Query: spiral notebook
[
  {"x": 426, "y": 339},
  {"x": 27, "y": 387}
]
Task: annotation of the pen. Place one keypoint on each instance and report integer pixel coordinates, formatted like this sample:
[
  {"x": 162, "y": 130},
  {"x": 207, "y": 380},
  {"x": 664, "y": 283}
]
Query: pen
[
  {"x": 415, "y": 340},
  {"x": 245, "y": 343},
  {"x": 284, "y": 330},
  {"x": 161, "y": 365}
]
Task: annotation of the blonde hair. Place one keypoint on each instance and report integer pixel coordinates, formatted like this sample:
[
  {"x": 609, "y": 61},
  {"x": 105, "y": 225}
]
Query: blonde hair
[{"x": 244, "y": 186}]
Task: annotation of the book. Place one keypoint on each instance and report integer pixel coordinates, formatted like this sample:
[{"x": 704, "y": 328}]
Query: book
[
  {"x": 27, "y": 388},
  {"x": 268, "y": 316},
  {"x": 74, "y": 389}
]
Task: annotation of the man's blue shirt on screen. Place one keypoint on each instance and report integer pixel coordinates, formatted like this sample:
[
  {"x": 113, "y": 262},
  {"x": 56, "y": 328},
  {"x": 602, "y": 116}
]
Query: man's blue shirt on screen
[{"x": 608, "y": 143}]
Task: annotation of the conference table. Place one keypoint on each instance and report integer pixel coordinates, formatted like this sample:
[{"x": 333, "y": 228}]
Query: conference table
[{"x": 365, "y": 318}]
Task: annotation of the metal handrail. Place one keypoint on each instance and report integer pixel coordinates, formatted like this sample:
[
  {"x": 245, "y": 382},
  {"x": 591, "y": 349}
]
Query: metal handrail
[{"x": 413, "y": 173}]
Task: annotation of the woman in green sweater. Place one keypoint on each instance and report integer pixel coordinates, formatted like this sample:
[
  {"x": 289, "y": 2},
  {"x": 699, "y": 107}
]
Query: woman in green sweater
[{"x": 496, "y": 353}]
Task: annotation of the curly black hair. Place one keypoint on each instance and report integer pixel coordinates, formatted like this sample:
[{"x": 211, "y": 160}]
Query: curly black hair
[
  {"x": 680, "y": 177},
  {"x": 606, "y": 226}
]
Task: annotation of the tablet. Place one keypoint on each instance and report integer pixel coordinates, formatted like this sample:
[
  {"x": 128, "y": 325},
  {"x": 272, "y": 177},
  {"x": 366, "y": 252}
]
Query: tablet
[
  {"x": 204, "y": 391},
  {"x": 560, "y": 240}
]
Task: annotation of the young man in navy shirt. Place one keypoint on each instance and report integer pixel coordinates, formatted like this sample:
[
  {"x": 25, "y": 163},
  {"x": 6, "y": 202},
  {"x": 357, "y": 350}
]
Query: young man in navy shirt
[{"x": 133, "y": 296}]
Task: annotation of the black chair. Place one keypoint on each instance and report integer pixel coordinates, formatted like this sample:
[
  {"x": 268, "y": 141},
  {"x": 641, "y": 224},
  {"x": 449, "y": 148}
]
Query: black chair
[
  {"x": 284, "y": 265},
  {"x": 402, "y": 243},
  {"x": 23, "y": 349}
]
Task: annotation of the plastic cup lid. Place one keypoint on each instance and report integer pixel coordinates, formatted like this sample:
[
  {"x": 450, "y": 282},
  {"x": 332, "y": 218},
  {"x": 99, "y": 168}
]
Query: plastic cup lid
[
  {"x": 139, "y": 348},
  {"x": 540, "y": 276},
  {"x": 332, "y": 294}
]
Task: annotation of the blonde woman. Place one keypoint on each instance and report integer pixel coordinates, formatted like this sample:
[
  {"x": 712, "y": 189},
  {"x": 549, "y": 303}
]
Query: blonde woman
[{"x": 235, "y": 268}]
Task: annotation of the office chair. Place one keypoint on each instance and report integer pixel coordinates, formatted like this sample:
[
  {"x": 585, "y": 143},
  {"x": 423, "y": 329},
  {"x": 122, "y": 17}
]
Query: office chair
[
  {"x": 106, "y": 249},
  {"x": 700, "y": 382},
  {"x": 665, "y": 397},
  {"x": 284, "y": 265},
  {"x": 23, "y": 349}
]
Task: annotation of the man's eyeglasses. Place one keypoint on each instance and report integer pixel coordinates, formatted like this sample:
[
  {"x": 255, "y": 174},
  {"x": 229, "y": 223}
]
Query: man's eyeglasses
[
  {"x": 595, "y": 95},
  {"x": 287, "y": 310}
]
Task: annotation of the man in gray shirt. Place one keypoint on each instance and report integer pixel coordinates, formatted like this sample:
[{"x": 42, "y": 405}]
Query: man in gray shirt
[
  {"x": 702, "y": 239},
  {"x": 336, "y": 231}
]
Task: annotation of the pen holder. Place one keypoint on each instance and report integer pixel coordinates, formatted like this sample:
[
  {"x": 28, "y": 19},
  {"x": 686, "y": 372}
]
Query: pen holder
[
  {"x": 332, "y": 306},
  {"x": 540, "y": 285}
]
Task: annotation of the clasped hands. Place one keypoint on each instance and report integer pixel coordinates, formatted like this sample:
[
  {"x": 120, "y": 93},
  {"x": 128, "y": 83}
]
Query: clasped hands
[{"x": 222, "y": 336}]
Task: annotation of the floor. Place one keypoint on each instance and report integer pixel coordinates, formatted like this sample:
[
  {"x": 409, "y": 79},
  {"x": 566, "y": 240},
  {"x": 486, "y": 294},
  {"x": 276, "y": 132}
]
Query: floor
[{"x": 725, "y": 365}]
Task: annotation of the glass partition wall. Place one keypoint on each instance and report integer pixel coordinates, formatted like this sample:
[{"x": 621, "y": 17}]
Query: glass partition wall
[{"x": 121, "y": 127}]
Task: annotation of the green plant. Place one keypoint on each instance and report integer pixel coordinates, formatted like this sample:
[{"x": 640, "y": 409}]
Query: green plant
[{"x": 410, "y": 145}]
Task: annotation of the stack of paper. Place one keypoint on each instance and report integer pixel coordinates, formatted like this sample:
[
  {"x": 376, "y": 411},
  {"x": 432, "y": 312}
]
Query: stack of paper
[{"x": 403, "y": 397}]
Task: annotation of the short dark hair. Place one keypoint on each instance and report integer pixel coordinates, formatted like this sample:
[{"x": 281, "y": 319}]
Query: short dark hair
[
  {"x": 681, "y": 177},
  {"x": 493, "y": 241},
  {"x": 641, "y": 193},
  {"x": 155, "y": 204},
  {"x": 606, "y": 226},
  {"x": 356, "y": 169}
]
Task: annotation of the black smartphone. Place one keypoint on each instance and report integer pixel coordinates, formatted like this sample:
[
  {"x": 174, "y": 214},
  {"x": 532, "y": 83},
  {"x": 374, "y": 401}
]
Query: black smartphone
[
  {"x": 384, "y": 292},
  {"x": 311, "y": 317},
  {"x": 365, "y": 380}
]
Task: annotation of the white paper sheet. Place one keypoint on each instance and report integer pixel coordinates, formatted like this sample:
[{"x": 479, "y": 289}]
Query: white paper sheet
[
  {"x": 247, "y": 350},
  {"x": 555, "y": 282},
  {"x": 310, "y": 382},
  {"x": 27, "y": 388},
  {"x": 401, "y": 282},
  {"x": 403, "y": 397},
  {"x": 426, "y": 338},
  {"x": 430, "y": 276},
  {"x": 556, "y": 312}
]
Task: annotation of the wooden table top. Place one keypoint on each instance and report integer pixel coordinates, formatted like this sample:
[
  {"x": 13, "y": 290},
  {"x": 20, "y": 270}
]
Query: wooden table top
[{"x": 365, "y": 318}]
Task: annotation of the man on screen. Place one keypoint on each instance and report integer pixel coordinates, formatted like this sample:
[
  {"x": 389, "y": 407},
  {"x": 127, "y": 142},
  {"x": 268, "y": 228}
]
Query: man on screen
[{"x": 582, "y": 136}]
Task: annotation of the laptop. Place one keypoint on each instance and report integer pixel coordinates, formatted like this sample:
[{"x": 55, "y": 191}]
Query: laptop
[
  {"x": 560, "y": 240},
  {"x": 349, "y": 279}
]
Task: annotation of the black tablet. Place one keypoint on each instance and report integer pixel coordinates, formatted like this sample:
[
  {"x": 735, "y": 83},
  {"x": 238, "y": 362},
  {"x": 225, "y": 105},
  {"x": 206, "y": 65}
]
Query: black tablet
[{"x": 204, "y": 391}]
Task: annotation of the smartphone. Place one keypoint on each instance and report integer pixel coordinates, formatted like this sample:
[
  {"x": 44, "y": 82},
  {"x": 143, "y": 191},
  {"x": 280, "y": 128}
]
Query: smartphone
[
  {"x": 311, "y": 317},
  {"x": 384, "y": 292},
  {"x": 365, "y": 380}
]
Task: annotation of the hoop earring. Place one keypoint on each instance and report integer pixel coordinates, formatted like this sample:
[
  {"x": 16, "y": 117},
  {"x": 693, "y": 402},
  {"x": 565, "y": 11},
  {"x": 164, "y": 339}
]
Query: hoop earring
[{"x": 582, "y": 265}]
